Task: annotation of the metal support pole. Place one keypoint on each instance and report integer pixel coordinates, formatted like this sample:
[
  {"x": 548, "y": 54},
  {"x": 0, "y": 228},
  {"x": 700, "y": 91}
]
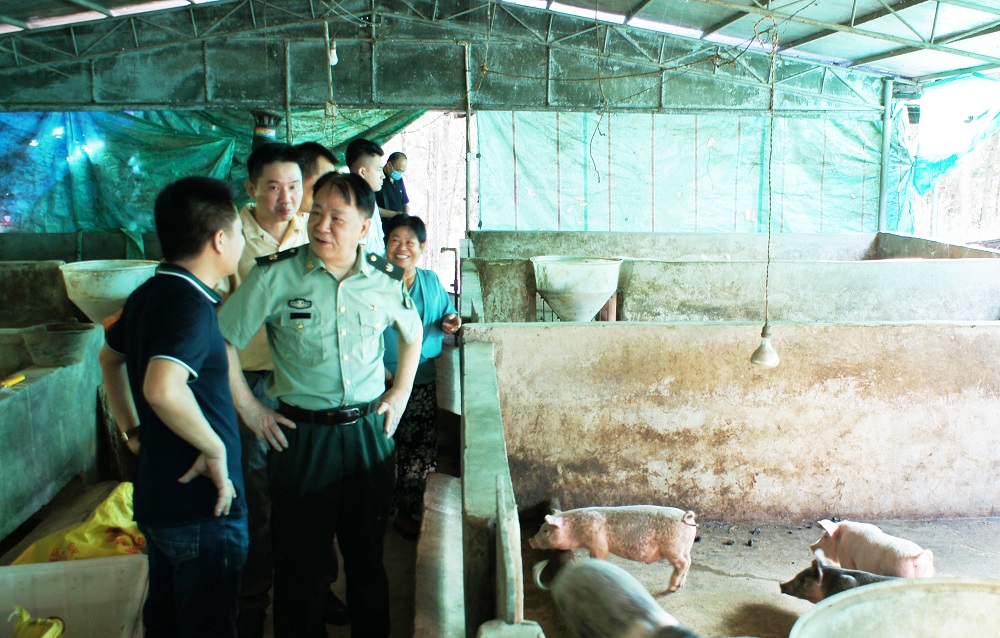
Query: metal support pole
[
  {"x": 468, "y": 143},
  {"x": 883, "y": 187},
  {"x": 288, "y": 93}
]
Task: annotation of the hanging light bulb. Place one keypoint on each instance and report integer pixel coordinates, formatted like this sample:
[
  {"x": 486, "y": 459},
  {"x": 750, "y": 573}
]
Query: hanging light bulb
[
  {"x": 765, "y": 355},
  {"x": 333, "y": 53}
]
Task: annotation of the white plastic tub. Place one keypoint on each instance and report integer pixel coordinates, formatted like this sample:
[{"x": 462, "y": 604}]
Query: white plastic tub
[
  {"x": 907, "y": 608},
  {"x": 96, "y": 598}
]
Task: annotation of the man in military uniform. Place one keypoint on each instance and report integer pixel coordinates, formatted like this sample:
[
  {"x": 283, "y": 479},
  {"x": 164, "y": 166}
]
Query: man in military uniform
[{"x": 325, "y": 307}]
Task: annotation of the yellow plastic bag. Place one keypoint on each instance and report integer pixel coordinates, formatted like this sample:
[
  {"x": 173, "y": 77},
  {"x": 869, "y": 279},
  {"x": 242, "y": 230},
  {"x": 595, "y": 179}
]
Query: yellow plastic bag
[
  {"x": 27, "y": 627},
  {"x": 109, "y": 531}
]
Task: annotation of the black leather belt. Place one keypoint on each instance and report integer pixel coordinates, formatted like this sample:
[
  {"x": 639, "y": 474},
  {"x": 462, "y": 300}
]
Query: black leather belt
[{"x": 340, "y": 416}]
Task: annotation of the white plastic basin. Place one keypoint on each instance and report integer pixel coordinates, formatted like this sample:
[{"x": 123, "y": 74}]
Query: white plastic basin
[
  {"x": 907, "y": 608},
  {"x": 576, "y": 287},
  {"x": 100, "y": 287}
]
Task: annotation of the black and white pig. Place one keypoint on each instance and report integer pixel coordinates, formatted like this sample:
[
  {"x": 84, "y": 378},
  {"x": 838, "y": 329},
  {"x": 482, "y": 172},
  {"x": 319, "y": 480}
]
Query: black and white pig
[{"x": 821, "y": 580}]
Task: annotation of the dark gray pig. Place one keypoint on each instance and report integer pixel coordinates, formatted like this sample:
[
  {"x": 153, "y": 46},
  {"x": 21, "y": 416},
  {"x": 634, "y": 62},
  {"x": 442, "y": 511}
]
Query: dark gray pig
[
  {"x": 597, "y": 599},
  {"x": 645, "y": 533},
  {"x": 820, "y": 580}
]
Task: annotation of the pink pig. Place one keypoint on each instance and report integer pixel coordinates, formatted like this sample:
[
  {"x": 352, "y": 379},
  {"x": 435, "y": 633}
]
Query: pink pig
[
  {"x": 644, "y": 533},
  {"x": 866, "y": 547}
]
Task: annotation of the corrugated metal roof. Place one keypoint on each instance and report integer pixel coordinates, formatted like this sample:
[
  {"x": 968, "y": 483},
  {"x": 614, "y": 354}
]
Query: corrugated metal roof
[{"x": 919, "y": 40}]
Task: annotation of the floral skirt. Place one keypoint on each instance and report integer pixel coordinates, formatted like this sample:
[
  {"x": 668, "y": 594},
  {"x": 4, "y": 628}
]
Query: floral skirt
[{"x": 416, "y": 449}]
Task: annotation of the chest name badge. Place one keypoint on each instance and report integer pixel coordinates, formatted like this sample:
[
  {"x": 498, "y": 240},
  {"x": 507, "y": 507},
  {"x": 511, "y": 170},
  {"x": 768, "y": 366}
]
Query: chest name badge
[{"x": 299, "y": 304}]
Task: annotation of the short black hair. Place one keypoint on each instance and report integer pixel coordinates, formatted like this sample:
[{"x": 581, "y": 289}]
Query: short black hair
[
  {"x": 270, "y": 153},
  {"x": 395, "y": 156},
  {"x": 359, "y": 149},
  {"x": 409, "y": 221},
  {"x": 355, "y": 190},
  {"x": 307, "y": 155},
  {"x": 189, "y": 212}
]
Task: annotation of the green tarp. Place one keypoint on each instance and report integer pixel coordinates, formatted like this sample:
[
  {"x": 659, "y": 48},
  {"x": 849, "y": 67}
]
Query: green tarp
[{"x": 679, "y": 173}]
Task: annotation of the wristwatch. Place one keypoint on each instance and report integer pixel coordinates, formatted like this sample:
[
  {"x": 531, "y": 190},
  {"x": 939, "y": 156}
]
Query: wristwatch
[{"x": 129, "y": 434}]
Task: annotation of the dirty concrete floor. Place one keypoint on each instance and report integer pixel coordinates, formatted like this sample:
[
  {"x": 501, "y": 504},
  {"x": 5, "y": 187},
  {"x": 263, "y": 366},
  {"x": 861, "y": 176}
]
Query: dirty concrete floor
[{"x": 732, "y": 590}]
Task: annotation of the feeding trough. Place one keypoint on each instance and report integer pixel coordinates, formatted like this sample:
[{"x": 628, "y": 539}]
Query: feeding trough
[
  {"x": 99, "y": 288},
  {"x": 910, "y": 608},
  {"x": 53, "y": 345},
  {"x": 576, "y": 287}
]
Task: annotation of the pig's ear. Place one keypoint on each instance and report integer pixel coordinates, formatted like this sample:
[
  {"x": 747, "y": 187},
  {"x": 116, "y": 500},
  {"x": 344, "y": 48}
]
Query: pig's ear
[
  {"x": 552, "y": 520},
  {"x": 829, "y": 526},
  {"x": 820, "y": 556},
  {"x": 818, "y": 567}
]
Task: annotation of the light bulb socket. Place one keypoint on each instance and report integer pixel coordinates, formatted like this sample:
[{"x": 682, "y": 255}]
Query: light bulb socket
[{"x": 765, "y": 333}]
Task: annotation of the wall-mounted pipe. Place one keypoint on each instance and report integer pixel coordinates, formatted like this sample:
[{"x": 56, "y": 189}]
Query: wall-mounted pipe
[{"x": 883, "y": 187}]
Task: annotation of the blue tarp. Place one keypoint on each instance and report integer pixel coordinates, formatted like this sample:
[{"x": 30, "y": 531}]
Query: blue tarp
[{"x": 92, "y": 171}]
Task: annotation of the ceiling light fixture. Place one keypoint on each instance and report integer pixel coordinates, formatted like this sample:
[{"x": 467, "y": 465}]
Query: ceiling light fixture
[{"x": 765, "y": 355}]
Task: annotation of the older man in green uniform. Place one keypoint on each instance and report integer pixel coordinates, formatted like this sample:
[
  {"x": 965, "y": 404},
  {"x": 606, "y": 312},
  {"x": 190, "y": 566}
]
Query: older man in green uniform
[{"x": 324, "y": 307}]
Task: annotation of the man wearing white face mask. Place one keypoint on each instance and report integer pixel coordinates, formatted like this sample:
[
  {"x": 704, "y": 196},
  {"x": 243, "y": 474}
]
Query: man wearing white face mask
[{"x": 392, "y": 199}]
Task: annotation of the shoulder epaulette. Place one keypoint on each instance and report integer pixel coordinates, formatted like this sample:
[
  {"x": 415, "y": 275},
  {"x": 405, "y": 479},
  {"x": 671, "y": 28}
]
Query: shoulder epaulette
[
  {"x": 385, "y": 266},
  {"x": 276, "y": 257}
]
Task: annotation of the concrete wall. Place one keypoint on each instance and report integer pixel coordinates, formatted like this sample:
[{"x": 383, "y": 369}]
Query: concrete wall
[
  {"x": 859, "y": 421},
  {"x": 493, "y": 245},
  {"x": 703, "y": 277},
  {"x": 800, "y": 291},
  {"x": 48, "y": 435},
  {"x": 896, "y": 246},
  {"x": 75, "y": 246},
  {"x": 33, "y": 293}
]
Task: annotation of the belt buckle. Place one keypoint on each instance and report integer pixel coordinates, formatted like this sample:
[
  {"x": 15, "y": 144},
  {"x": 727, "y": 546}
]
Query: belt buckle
[{"x": 350, "y": 416}]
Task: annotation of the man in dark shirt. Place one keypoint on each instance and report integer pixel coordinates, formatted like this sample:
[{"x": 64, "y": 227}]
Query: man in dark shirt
[
  {"x": 392, "y": 199},
  {"x": 165, "y": 366}
]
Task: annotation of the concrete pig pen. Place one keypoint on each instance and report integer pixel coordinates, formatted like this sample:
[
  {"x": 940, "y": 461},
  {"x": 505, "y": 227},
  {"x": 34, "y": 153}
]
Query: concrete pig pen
[{"x": 883, "y": 407}]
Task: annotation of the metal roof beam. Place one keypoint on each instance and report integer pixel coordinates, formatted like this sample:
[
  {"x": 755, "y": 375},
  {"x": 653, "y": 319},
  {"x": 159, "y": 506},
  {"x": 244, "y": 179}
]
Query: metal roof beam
[
  {"x": 975, "y": 6},
  {"x": 885, "y": 55},
  {"x": 985, "y": 29},
  {"x": 947, "y": 75},
  {"x": 785, "y": 17},
  {"x": 723, "y": 23},
  {"x": 631, "y": 13},
  {"x": 868, "y": 17},
  {"x": 86, "y": 4},
  {"x": 14, "y": 22}
]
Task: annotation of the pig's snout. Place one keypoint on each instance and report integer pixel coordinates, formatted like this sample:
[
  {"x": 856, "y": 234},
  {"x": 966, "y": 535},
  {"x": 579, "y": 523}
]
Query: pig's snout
[{"x": 786, "y": 588}]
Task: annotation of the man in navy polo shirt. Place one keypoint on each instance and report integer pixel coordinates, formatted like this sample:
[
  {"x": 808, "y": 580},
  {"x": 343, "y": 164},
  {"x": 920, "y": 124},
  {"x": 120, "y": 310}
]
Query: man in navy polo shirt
[{"x": 165, "y": 366}]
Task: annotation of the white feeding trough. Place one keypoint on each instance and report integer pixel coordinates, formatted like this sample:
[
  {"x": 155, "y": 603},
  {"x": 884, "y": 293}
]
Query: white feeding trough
[
  {"x": 576, "y": 287},
  {"x": 906, "y": 608},
  {"x": 99, "y": 288}
]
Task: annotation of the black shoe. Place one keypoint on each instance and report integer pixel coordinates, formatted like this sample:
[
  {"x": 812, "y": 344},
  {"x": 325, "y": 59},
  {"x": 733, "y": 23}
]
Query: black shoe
[
  {"x": 334, "y": 610},
  {"x": 250, "y": 622}
]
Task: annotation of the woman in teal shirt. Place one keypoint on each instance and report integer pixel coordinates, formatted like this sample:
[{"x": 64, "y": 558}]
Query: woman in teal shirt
[{"x": 416, "y": 437}]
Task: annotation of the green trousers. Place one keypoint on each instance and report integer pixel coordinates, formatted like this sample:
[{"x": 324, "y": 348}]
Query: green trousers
[{"x": 331, "y": 480}]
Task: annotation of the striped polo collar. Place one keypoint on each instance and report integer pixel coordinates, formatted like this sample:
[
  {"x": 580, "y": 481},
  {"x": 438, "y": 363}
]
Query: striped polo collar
[{"x": 177, "y": 271}]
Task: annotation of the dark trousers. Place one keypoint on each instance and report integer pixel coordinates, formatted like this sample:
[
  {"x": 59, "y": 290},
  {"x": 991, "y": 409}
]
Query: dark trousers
[
  {"x": 258, "y": 575},
  {"x": 194, "y": 578},
  {"x": 332, "y": 480}
]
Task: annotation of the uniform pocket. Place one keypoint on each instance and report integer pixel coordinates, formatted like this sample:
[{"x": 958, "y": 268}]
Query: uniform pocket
[
  {"x": 301, "y": 332},
  {"x": 372, "y": 323}
]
